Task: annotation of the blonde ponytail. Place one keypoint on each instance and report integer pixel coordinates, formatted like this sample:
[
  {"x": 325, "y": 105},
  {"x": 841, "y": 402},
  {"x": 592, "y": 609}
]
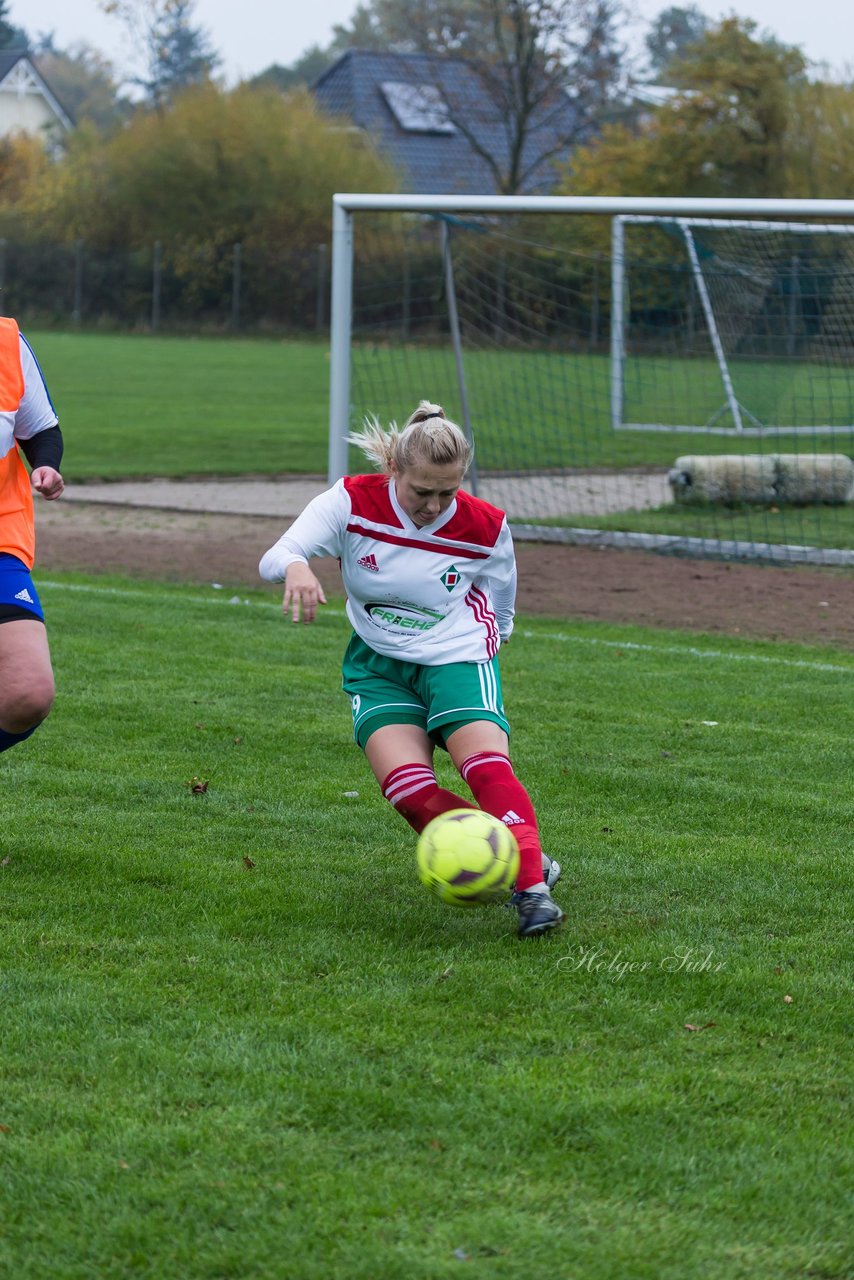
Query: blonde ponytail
[{"x": 428, "y": 436}]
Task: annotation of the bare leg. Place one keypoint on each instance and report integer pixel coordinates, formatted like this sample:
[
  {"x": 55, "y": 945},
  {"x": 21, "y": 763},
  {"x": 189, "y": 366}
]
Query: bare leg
[
  {"x": 397, "y": 744},
  {"x": 26, "y": 675},
  {"x": 401, "y": 756},
  {"x": 480, "y": 735}
]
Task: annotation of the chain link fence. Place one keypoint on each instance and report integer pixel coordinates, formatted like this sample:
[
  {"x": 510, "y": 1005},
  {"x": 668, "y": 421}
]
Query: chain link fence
[{"x": 236, "y": 288}]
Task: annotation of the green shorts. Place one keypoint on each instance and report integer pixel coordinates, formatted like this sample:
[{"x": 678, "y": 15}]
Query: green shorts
[{"x": 387, "y": 691}]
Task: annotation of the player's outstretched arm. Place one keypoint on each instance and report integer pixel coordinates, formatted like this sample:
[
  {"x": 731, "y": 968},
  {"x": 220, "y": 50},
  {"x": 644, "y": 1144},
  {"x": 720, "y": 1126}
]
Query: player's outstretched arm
[{"x": 303, "y": 593}]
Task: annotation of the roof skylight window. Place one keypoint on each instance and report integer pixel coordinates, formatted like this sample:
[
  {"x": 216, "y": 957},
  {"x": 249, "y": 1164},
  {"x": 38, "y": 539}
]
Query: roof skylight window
[{"x": 418, "y": 108}]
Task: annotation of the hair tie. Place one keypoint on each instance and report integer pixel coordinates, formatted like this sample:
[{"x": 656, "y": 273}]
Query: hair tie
[{"x": 428, "y": 416}]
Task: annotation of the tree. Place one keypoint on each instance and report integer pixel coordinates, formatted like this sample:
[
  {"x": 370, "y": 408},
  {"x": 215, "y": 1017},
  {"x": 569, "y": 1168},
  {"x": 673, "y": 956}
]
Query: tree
[
  {"x": 599, "y": 59},
  {"x": 207, "y": 171},
  {"x": 308, "y": 66},
  {"x": 24, "y": 164},
  {"x": 7, "y": 30},
  {"x": 176, "y": 53},
  {"x": 726, "y": 134},
  {"x": 376, "y": 25},
  {"x": 11, "y": 37},
  {"x": 671, "y": 36},
  {"x": 819, "y": 153}
]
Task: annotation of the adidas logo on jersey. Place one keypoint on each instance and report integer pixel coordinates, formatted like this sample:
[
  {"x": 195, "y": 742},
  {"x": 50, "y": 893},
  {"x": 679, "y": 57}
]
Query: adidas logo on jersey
[
  {"x": 24, "y": 595},
  {"x": 511, "y": 818},
  {"x": 369, "y": 562}
]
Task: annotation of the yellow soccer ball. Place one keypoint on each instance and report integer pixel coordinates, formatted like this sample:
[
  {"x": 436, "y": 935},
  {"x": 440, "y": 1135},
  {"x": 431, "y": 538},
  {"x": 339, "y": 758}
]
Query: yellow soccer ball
[{"x": 468, "y": 858}]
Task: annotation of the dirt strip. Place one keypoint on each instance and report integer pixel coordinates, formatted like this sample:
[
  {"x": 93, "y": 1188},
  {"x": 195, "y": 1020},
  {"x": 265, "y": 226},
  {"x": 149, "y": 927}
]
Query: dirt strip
[{"x": 799, "y": 604}]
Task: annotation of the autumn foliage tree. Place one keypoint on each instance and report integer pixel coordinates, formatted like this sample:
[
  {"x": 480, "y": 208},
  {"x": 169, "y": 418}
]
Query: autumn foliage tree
[
  {"x": 820, "y": 142},
  {"x": 725, "y": 134},
  {"x": 214, "y": 187},
  {"x": 214, "y": 168}
]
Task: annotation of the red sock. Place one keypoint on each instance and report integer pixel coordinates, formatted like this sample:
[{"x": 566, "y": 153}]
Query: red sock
[
  {"x": 496, "y": 788},
  {"x": 417, "y": 796}
]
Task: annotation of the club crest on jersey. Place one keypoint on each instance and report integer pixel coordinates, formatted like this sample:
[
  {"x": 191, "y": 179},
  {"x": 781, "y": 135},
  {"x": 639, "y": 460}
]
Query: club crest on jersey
[
  {"x": 369, "y": 562},
  {"x": 450, "y": 578}
]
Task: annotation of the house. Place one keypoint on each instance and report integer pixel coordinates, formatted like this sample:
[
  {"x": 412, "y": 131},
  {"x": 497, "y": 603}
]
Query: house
[
  {"x": 411, "y": 104},
  {"x": 27, "y": 104}
]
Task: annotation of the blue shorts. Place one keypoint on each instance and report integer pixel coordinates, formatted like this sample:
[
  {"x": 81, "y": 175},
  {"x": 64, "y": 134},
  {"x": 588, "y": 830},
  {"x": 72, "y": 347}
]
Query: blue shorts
[{"x": 18, "y": 595}]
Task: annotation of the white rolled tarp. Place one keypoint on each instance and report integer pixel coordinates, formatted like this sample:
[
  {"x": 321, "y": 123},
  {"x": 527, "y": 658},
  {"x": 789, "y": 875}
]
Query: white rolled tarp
[{"x": 798, "y": 478}]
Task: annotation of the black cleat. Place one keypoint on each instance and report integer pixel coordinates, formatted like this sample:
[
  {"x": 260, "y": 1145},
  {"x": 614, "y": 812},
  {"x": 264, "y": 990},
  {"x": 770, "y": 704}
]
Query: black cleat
[{"x": 538, "y": 913}]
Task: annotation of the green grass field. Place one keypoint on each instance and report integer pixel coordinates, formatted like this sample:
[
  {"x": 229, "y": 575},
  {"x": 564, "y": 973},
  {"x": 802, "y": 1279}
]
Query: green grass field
[
  {"x": 217, "y": 406},
  {"x": 308, "y": 1067},
  {"x": 132, "y": 405}
]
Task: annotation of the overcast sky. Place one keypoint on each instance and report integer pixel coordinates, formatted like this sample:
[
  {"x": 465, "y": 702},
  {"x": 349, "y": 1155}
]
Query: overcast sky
[{"x": 254, "y": 33}]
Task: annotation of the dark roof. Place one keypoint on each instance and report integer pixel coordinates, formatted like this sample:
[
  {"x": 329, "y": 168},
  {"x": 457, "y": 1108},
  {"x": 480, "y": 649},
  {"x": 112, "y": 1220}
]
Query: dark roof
[
  {"x": 8, "y": 58},
  {"x": 437, "y": 160}
]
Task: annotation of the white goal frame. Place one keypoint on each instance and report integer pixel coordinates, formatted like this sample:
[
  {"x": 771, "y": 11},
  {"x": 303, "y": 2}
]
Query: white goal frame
[
  {"x": 346, "y": 205},
  {"x": 620, "y": 293}
]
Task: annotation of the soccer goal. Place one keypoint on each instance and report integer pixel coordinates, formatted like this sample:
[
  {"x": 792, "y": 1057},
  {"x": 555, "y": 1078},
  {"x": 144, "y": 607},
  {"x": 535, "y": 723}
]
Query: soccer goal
[
  {"x": 587, "y": 345},
  {"x": 772, "y": 303}
]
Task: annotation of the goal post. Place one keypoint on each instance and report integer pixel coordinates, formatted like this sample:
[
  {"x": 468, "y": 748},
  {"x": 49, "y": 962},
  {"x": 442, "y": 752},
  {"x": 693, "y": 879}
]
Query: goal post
[{"x": 583, "y": 359}]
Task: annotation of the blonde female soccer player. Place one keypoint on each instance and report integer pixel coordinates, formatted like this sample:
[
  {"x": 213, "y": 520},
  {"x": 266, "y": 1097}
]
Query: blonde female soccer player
[{"x": 430, "y": 575}]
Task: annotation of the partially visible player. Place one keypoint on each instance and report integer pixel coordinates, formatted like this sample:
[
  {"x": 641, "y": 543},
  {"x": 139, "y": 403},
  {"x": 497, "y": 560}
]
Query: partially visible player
[
  {"x": 430, "y": 575},
  {"x": 28, "y": 424}
]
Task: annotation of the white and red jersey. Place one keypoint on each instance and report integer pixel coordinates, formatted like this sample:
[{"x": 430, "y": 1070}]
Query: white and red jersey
[{"x": 444, "y": 593}]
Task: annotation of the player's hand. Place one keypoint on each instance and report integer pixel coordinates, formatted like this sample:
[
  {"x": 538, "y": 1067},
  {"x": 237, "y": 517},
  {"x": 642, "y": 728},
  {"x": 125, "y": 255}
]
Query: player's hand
[
  {"x": 303, "y": 593},
  {"x": 47, "y": 482}
]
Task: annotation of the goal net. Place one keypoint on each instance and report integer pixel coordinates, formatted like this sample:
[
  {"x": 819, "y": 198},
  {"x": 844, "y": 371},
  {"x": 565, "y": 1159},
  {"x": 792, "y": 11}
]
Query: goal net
[
  {"x": 588, "y": 353},
  {"x": 742, "y": 327}
]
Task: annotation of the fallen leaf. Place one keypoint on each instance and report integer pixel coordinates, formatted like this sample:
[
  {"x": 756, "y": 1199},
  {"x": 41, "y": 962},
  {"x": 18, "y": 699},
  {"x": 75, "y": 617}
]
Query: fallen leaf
[
  {"x": 198, "y": 786},
  {"x": 691, "y": 1026},
  {"x": 4, "y": 1128},
  {"x": 446, "y": 973},
  {"x": 237, "y": 741},
  {"x": 247, "y": 862}
]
